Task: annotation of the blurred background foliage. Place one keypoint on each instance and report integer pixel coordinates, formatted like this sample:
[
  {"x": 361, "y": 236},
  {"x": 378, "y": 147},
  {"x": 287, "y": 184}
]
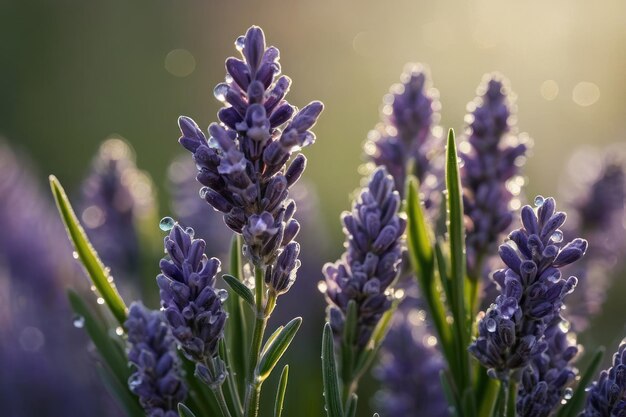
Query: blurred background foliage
[{"x": 75, "y": 73}]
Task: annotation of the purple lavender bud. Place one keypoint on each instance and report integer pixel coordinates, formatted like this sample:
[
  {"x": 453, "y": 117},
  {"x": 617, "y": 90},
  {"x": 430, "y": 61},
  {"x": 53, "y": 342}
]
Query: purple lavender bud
[
  {"x": 406, "y": 135},
  {"x": 607, "y": 395},
  {"x": 371, "y": 263},
  {"x": 244, "y": 164},
  {"x": 157, "y": 378},
  {"x": 409, "y": 367},
  {"x": 193, "y": 307},
  {"x": 513, "y": 330},
  {"x": 544, "y": 382},
  {"x": 115, "y": 196},
  {"x": 491, "y": 167},
  {"x": 597, "y": 193}
]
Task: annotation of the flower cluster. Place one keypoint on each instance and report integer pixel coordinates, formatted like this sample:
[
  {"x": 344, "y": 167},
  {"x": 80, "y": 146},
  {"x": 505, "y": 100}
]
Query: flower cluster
[
  {"x": 406, "y": 135},
  {"x": 156, "y": 378},
  {"x": 513, "y": 329},
  {"x": 192, "y": 304},
  {"x": 607, "y": 396},
  {"x": 490, "y": 162},
  {"x": 370, "y": 265},
  {"x": 243, "y": 164}
]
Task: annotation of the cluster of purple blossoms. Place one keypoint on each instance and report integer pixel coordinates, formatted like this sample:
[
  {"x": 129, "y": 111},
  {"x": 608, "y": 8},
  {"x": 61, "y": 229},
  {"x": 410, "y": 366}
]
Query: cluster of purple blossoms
[
  {"x": 192, "y": 304},
  {"x": 371, "y": 263},
  {"x": 157, "y": 378},
  {"x": 405, "y": 139},
  {"x": 513, "y": 330},
  {"x": 607, "y": 396},
  {"x": 490, "y": 162},
  {"x": 243, "y": 164}
]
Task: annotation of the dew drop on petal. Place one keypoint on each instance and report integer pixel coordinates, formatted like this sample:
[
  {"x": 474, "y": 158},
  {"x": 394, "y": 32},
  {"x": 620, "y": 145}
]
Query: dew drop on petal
[
  {"x": 190, "y": 232},
  {"x": 564, "y": 326},
  {"x": 166, "y": 224},
  {"x": 557, "y": 236},
  {"x": 203, "y": 192},
  {"x": 239, "y": 43},
  {"x": 491, "y": 325},
  {"x": 322, "y": 287},
  {"x": 119, "y": 331},
  {"x": 78, "y": 322},
  {"x": 220, "y": 91},
  {"x": 568, "y": 393},
  {"x": 222, "y": 294},
  {"x": 539, "y": 201}
]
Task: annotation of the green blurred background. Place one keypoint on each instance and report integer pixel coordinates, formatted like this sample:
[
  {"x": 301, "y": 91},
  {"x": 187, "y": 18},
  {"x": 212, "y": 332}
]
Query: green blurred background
[{"x": 74, "y": 73}]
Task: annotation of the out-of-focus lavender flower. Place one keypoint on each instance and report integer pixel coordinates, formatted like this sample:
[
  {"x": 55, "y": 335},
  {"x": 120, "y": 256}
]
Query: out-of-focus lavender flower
[
  {"x": 513, "y": 329},
  {"x": 192, "y": 211},
  {"x": 607, "y": 396},
  {"x": 39, "y": 346},
  {"x": 192, "y": 304},
  {"x": 409, "y": 367},
  {"x": 596, "y": 189},
  {"x": 492, "y": 157},
  {"x": 115, "y": 197},
  {"x": 408, "y": 134},
  {"x": 545, "y": 380},
  {"x": 371, "y": 262},
  {"x": 243, "y": 165},
  {"x": 156, "y": 379}
]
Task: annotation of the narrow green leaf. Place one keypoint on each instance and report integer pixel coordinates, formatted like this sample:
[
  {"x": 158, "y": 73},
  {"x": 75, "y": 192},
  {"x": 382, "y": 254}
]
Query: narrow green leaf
[
  {"x": 120, "y": 391},
  {"x": 350, "y": 325},
  {"x": 352, "y": 403},
  {"x": 277, "y": 348},
  {"x": 418, "y": 233},
  {"x": 237, "y": 325},
  {"x": 575, "y": 404},
  {"x": 183, "y": 411},
  {"x": 271, "y": 339},
  {"x": 280, "y": 393},
  {"x": 240, "y": 289},
  {"x": 332, "y": 397},
  {"x": 469, "y": 403},
  {"x": 87, "y": 254}
]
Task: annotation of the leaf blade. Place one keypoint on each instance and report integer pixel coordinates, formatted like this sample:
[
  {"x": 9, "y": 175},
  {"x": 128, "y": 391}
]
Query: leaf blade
[
  {"x": 280, "y": 392},
  {"x": 239, "y": 288},
  {"x": 277, "y": 348},
  {"x": 332, "y": 397}
]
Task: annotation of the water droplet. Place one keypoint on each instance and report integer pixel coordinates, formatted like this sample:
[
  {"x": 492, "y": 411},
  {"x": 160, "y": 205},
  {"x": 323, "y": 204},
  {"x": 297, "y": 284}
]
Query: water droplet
[
  {"x": 100, "y": 300},
  {"x": 203, "y": 192},
  {"x": 166, "y": 224},
  {"x": 222, "y": 294},
  {"x": 119, "y": 331},
  {"x": 79, "y": 322},
  {"x": 220, "y": 91},
  {"x": 190, "y": 232},
  {"x": 491, "y": 325},
  {"x": 75, "y": 255},
  {"x": 568, "y": 393},
  {"x": 557, "y": 236},
  {"x": 213, "y": 143},
  {"x": 539, "y": 201},
  {"x": 564, "y": 326},
  {"x": 322, "y": 287},
  {"x": 239, "y": 43}
]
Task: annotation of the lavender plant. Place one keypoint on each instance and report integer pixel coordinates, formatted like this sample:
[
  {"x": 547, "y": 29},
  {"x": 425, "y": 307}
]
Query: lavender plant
[{"x": 607, "y": 395}]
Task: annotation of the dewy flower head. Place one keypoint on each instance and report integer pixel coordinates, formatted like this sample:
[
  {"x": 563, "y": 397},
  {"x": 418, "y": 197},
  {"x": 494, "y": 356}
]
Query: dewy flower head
[
  {"x": 607, "y": 396},
  {"x": 406, "y": 135},
  {"x": 157, "y": 378},
  {"x": 192, "y": 304},
  {"x": 491, "y": 165},
  {"x": 243, "y": 165},
  {"x": 532, "y": 290},
  {"x": 370, "y": 265}
]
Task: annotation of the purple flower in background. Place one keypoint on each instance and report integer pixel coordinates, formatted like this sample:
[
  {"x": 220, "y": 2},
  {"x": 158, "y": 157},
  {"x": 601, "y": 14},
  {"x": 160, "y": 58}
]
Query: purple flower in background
[
  {"x": 607, "y": 396},
  {"x": 45, "y": 360},
  {"x": 243, "y": 164},
  {"x": 492, "y": 158},
  {"x": 115, "y": 197},
  {"x": 409, "y": 135},
  {"x": 545, "y": 380},
  {"x": 192, "y": 304},
  {"x": 409, "y": 367},
  {"x": 371, "y": 263},
  {"x": 513, "y": 329},
  {"x": 157, "y": 378},
  {"x": 597, "y": 193}
]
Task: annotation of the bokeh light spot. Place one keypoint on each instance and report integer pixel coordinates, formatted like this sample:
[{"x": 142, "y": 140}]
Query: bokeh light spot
[
  {"x": 549, "y": 90},
  {"x": 180, "y": 62},
  {"x": 585, "y": 93}
]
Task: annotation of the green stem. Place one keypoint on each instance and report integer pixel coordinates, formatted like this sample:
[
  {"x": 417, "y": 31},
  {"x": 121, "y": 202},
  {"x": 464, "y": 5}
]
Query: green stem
[
  {"x": 232, "y": 391},
  {"x": 512, "y": 397},
  {"x": 217, "y": 390}
]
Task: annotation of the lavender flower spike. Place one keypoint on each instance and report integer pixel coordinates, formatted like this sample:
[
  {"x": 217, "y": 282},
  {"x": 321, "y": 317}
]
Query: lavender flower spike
[
  {"x": 157, "y": 379},
  {"x": 243, "y": 165},
  {"x": 491, "y": 165},
  {"x": 607, "y": 396},
  {"x": 193, "y": 307},
  {"x": 532, "y": 291},
  {"x": 407, "y": 132},
  {"x": 370, "y": 265}
]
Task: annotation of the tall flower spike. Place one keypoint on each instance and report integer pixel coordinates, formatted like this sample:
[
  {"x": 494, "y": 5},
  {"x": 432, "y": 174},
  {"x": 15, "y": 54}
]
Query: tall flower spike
[
  {"x": 193, "y": 307},
  {"x": 490, "y": 172},
  {"x": 408, "y": 133},
  {"x": 597, "y": 193},
  {"x": 532, "y": 290},
  {"x": 607, "y": 396},
  {"x": 157, "y": 378},
  {"x": 243, "y": 165},
  {"x": 370, "y": 265}
]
